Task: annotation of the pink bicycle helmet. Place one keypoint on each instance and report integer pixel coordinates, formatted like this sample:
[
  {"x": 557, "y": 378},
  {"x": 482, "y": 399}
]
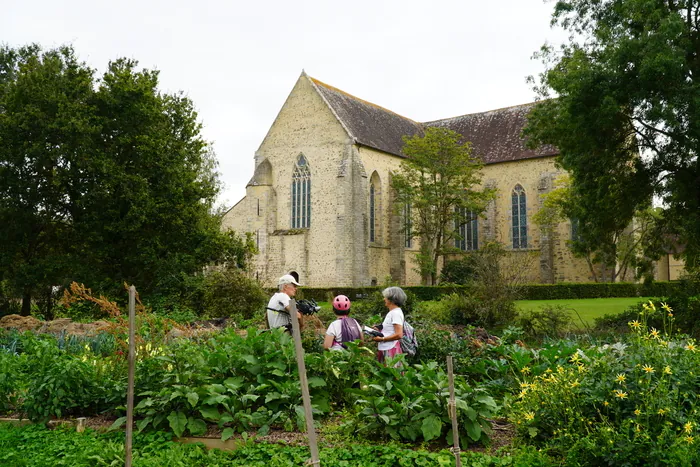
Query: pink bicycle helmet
[{"x": 341, "y": 303}]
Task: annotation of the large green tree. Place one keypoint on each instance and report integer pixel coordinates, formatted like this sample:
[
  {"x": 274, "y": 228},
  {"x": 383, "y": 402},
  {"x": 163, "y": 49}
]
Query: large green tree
[
  {"x": 101, "y": 180},
  {"x": 439, "y": 180},
  {"x": 626, "y": 112}
]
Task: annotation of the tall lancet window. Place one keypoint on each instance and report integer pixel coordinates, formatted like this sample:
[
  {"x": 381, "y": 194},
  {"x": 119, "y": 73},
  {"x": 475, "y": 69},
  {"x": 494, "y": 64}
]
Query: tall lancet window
[
  {"x": 519, "y": 210},
  {"x": 372, "y": 213},
  {"x": 301, "y": 194}
]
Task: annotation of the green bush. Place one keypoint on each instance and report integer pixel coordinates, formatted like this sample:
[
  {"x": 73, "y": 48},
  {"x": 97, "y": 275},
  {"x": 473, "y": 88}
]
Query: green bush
[
  {"x": 60, "y": 384},
  {"x": 460, "y": 271},
  {"x": 488, "y": 312},
  {"x": 548, "y": 321},
  {"x": 408, "y": 403},
  {"x": 232, "y": 293}
]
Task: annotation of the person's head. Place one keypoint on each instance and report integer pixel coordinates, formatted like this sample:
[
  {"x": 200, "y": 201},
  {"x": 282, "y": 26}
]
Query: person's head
[
  {"x": 394, "y": 295},
  {"x": 341, "y": 305},
  {"x": 288, "y": 285}
]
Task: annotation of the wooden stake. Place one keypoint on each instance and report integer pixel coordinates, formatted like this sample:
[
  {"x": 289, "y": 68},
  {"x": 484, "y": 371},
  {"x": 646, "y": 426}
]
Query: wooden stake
[
  {"x": 452, "y": 408},
  {"x": 310, "y": 430},
  {"x": 130, "y": 388}
]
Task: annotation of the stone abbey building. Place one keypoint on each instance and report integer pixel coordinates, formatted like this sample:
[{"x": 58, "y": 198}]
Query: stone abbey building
[{"x": 319, "y": 203}]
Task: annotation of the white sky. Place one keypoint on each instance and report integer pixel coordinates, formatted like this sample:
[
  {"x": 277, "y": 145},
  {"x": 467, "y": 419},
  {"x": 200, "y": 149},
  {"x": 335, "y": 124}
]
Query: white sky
[{"x": 238, "y": 60}]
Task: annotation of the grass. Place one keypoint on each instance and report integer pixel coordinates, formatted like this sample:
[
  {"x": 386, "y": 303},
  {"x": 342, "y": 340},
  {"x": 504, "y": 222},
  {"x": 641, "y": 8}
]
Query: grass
[{"x": 588, "y": 308}]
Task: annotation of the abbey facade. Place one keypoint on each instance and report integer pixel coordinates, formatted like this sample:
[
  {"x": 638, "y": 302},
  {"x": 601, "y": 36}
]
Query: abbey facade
[{"x": 319, "y": 204}]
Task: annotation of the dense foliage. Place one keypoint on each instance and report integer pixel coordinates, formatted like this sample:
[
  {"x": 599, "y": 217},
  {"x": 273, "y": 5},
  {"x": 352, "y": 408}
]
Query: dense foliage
[
  {"x": 626, "y": 86},
  {"x": 102, "y": 180}
]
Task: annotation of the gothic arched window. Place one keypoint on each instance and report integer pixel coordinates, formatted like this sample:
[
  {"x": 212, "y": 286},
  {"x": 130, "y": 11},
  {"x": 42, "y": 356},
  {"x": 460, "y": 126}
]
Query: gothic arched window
[
  {"x": 519, "y": 211},
  {"x": 301, "y": 194},
  {"x": 374, "y": 207}
]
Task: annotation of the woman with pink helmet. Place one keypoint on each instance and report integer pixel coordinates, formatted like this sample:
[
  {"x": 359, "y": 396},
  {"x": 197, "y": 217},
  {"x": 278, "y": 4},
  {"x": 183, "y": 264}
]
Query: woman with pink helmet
[{"x": 344, "y": 329}]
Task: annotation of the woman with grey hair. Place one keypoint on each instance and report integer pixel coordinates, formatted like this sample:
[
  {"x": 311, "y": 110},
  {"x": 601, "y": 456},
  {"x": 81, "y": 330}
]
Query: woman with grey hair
[{"x": 392, "y": 327}]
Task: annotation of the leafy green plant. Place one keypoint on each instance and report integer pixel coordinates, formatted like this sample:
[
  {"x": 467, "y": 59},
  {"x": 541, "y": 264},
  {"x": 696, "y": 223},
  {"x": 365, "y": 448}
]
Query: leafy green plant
[
  {"x": 59, "y": 384},
  {"x": 410, "y": 403},
  {"x": 634, "y": 401}
]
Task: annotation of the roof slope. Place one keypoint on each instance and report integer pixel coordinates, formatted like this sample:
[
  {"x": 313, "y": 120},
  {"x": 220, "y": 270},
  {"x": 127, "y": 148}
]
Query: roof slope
[
  {"x": 370, "y": 124},
  {"x": 495, "y": 135}
]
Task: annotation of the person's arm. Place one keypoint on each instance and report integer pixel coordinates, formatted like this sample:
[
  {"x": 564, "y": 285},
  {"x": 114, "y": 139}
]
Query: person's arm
[
  {"x": 328, "y": 342},
  {"x": 398, "y": 334}
]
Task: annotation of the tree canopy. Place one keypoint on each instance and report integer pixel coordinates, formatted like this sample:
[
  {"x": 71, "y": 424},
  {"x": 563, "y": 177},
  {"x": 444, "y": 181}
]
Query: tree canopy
[
  {"x": 439, "y": 180},
  {"x": 101, "y": 180},
  {"x": 626, "y": 112}
]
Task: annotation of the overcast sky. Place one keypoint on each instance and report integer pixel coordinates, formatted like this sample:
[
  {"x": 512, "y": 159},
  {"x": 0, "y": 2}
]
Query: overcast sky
[{"x": 238, "y": 60}]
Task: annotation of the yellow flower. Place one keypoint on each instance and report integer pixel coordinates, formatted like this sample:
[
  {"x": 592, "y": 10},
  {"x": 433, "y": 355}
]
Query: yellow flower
[
  {"x": 662, "y": 412},
  {"x": 666, "y": 307},
  {"x": 648, "y": 369},
  {"x": 689, "y": 439},
  {"x": 651, "y": 306},
  {"x": 667, "y": 370},
  {"x": 688, "y": 427},
  {"x": 575, "y": 358},
  {"x": 525, "y": 370},
  {"x": 637, "y": 412},
  {"x": 654, "y": 333},
  {"x": 620, "y": 394},
  {"x": 690, "y": 347},
  {"x": 575, "y": 383},
  {"x": 635, "y": 324},
  {"x": 560, "y": 369},
  {"x": 620, "y": 378},
  {"x": 529, "y": 416},
  {"x": 606, "y": 403},
  {"x": 170, "y": 367}
]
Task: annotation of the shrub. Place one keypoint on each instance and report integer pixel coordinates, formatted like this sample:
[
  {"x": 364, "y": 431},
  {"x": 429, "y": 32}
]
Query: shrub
[
  {"x": 232, "y": 293},
  {"x": 488, "y": 312},
  {"x": 460, "y": 271},
  {"x": 548, "y": 321}
]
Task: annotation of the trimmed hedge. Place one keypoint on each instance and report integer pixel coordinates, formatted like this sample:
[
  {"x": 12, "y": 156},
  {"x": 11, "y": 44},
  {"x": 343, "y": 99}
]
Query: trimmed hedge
[{"x": 528, "y": 292}]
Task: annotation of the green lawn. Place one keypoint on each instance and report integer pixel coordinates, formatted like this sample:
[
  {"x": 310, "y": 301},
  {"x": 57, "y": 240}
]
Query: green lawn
[{"x": 588, "y": 308}]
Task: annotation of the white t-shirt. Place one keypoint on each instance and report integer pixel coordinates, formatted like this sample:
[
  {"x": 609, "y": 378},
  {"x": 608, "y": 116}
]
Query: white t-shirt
[
  {"x": 335, "y": 330},
  {"x": 279, "y": 301},
  {"x": 395, "y": 316}
]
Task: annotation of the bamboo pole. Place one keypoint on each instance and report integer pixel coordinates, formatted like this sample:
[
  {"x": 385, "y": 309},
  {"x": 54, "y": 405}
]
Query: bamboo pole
[
  {"x": 130, "y": 388},
  {"x": 452, "y": 408},
  {"x": 306, "y": 397}
]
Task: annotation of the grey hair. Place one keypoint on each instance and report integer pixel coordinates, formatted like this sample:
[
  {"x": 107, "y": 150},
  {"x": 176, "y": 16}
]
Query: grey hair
[
  {"x": 395, "y": 295},
  {"x": 280, "y": 287}
]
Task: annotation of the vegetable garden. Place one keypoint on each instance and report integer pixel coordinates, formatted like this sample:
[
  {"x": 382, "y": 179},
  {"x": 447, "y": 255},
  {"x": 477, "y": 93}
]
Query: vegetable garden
[{"x": 572, "y": 399}]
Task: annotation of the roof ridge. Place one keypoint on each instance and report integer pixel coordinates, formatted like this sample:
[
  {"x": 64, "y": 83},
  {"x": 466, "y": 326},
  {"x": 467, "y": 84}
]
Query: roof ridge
[
  {"x": 333, "y": 88},
  {"x": 480, "y": 113}
]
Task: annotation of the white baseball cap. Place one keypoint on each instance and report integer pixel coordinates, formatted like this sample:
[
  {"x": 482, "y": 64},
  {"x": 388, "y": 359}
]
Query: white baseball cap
[{"x": 287, "y": 279}]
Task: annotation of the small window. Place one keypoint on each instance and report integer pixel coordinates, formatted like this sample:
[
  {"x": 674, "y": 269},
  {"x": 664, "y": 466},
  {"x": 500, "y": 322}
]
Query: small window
[
  {"x": 407, "y": 225},
  {"x": 467, "y": 230},
  {"x": 575, "y": 235}
]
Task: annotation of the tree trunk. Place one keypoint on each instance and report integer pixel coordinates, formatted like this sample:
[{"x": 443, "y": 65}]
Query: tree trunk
[{"x": 26, "y": 302}]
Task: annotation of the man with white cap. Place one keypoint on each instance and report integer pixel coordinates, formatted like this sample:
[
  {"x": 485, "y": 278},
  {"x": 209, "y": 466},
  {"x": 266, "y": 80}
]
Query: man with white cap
[{"x": 278, "y": 307}]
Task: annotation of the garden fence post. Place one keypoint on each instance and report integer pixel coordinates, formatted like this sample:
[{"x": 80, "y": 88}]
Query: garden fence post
[
  {"x": 310, "y": 430},
  {"x": 130, "y": 389},
  {"x": 452, "y": 408}
]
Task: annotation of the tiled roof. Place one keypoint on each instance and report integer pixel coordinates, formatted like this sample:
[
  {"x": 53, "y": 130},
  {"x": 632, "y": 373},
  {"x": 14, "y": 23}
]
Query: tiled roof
[
  {"x": 368, "y": 123},
  {"x": 495, "y": 135}
]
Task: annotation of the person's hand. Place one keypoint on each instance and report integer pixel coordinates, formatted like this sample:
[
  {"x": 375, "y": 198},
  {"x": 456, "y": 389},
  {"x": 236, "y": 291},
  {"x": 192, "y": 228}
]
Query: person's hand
[{"x": 377, "y": 339}]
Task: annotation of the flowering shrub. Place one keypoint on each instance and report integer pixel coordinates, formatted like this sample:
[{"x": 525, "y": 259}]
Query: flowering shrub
[{"x": 614, "y": 404}]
